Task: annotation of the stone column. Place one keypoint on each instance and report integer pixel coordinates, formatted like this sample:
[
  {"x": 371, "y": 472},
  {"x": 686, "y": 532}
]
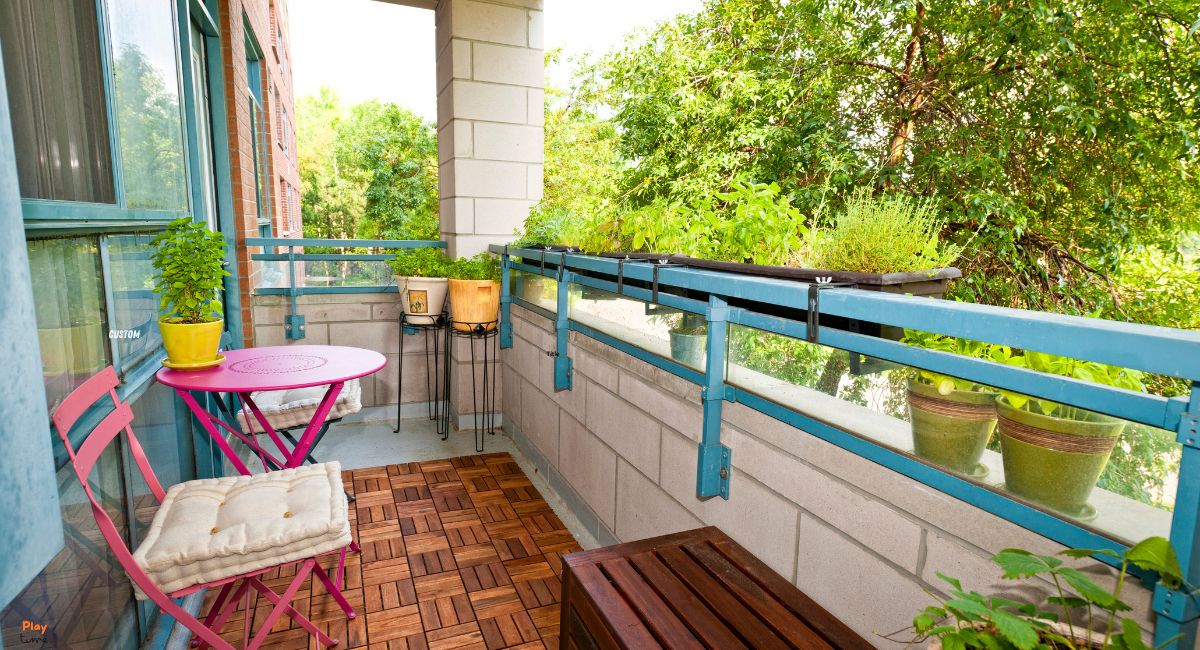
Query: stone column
[{"x": 490, "y": 73}]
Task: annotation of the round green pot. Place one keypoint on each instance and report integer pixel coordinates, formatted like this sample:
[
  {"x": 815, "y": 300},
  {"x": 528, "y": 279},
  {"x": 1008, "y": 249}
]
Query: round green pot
[
  {"x": 688, "y": 349},
  {"x": 953, "y": 431},
  {"x": 1061, "y": 480}
]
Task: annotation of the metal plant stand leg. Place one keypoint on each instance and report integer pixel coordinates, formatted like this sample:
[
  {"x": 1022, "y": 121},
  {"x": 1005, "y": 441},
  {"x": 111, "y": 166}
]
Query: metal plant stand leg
[
  {"x": 436, "y": 379},
  {"x": 485, "y": 417}
]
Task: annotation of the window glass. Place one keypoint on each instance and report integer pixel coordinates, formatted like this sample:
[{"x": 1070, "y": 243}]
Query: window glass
[
  {"x": 69, "y": 300},
  {"x": 52, "y": 62},
  {"x": 146, "y": 91},
  {"x": 83, "y": 595},
  {"x": 168, "y": 447},
  {"x": 135, "y": 305}
]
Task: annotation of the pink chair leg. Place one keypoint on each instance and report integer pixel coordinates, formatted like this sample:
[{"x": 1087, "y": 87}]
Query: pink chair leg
[
  {"x": 281, "y": 604},
  {"x": 224, "y": 613},
  {"x": 295, "y": 615},
  {"x": 217, "y": 607},
  {"x": 334, "y": 591}
]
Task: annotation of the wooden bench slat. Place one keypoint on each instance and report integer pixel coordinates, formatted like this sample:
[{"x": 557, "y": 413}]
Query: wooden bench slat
[
  {"x": 768, "y": 608},
  {"x": 719, "y": 600},
  {"x": 625, "y": 624},
  {"x": 703, "y": 623},
  {"x": 657, "y": 615}
]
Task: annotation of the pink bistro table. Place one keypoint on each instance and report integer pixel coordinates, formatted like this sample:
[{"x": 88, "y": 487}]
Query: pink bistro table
[{"x": 267, "y": 369}]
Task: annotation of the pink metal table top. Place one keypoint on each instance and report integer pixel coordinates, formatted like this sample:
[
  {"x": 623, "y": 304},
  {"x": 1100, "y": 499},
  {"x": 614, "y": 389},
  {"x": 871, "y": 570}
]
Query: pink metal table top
[
  {"x": 277, "y": 368},
  {"x": 252, "y": 370}
]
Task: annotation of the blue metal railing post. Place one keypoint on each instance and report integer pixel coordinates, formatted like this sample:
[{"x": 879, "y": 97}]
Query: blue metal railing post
[
  {"x": 1176, "y": 609},
  {"x": 562, "y": 324},
  {"x": 506, "y": 341},
  {"x": 713, "y": 464},
  {"x": 293, "y": 323}
]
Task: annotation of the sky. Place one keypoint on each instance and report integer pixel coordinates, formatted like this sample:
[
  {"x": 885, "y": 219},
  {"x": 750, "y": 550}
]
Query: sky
[{"x": 373, "y": 50}]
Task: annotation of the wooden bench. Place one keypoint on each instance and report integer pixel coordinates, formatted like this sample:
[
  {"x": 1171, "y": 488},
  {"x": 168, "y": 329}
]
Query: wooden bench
[{"x": 687, "y": 590}]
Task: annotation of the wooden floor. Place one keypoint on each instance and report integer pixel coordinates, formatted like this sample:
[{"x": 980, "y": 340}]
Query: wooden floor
[{"x": 456, "y": 553}]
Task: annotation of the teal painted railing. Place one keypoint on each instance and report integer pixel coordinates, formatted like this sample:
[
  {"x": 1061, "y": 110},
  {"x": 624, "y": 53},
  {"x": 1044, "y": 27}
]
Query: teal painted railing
[
  {"x": 731, "y": 299},
  {"x": 294, "y": 322}
]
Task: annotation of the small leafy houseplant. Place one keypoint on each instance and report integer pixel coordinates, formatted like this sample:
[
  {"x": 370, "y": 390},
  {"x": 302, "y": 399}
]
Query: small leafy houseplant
[
  {"x": 475, "y": 293},
  {"x": 420, "y": 275},
  {"x": 189, "y": 264},
  {"x": 952, "y": 419},
  {"x": 1053, "y": 453},
  {"x": 1091, "y": 615}
]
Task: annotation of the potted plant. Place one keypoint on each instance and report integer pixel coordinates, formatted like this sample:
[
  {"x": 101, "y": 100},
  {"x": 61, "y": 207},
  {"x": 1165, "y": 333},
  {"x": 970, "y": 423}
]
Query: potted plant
[
  {"x": 189, "y": 260},
  {"x": 952, "y": 419},
  {"x": 1053, "y": 453},
  {"x": 475, "y": 293},
  {"x": 420, "y": 275},
  {"x": 1090, "y": 616}
]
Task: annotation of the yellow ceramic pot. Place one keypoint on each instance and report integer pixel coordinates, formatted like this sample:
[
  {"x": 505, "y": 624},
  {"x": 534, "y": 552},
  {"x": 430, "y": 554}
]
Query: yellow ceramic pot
[
  {"x": 474, "y": 304},
  {"x": 189, "y": 343}
]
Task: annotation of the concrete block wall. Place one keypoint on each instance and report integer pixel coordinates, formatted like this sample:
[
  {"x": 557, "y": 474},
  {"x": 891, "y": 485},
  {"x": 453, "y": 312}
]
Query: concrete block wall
[
  {"x": 370, "y": 320},
  {"x": 863, "y": 541},
  {"x": 490, "y": 116}
]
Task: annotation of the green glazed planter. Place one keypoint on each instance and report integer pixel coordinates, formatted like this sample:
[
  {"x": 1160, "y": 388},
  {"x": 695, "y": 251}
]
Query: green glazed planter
[
  {"x": 1055, "y": 461},
  {"x": 951, "y": 430},
  {"x": 689, "y": 349}
]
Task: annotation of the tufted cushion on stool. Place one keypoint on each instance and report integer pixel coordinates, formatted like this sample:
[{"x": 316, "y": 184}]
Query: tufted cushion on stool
[
  {"x": 211, "y": 529},
  {"x": 285, "y": 409}
]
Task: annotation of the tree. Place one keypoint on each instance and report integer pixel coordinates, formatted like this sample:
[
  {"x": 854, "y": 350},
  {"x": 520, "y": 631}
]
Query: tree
[
  {"x": 367, "y": 171},
  {"x": 1059, "y": 138}
]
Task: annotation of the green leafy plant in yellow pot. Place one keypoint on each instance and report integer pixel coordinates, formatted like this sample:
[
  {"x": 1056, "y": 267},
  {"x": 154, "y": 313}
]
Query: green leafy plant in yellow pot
[
  {"x": 952, "y": 419},
  {"x": 189, "y": 260},
  {"x": 1054, "y": 453}
]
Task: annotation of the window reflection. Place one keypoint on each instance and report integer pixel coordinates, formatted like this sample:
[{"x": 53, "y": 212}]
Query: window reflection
[
  {"x": 83, "y": 595},
  {"x": 51, "y": 52},
  {"x": 69, "y": 302},
  {"x": 146, "y": 90},
  {"x": 135, "y": 305}
]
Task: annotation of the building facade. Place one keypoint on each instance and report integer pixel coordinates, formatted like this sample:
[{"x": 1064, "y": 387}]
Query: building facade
[{"x": 125, "y": 115}]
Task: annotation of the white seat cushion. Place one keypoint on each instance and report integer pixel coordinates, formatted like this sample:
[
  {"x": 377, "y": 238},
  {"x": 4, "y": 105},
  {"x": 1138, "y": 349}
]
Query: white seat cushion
[
  {"x": 286, "y": 409},
  {"x": 211, "y": 529}
]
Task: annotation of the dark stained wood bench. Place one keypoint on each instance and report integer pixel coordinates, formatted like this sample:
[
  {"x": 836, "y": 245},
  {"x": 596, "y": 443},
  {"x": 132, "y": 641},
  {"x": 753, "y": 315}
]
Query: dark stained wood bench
[{"x": 687, "y": 590}]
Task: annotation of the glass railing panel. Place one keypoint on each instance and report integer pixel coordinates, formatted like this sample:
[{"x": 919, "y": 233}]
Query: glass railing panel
[
  {"x": 535, "y": 289},
  {"x": 1111, "y": 475},
  {"x": 667, "y": 332}
]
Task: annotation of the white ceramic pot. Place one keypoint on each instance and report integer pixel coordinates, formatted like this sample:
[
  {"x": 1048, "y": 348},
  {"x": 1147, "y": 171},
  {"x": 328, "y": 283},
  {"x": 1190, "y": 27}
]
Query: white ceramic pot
[{"x": 422, "y": 299}]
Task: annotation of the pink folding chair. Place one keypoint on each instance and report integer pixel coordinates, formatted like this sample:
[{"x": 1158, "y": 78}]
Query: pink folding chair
[{"x": 175, "y": 560}]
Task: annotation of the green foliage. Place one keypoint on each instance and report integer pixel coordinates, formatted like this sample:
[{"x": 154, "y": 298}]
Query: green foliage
[
  {"x": 970, "y": 620},
  {"x": 1055, "y": 365},
  {"x": 974, "y": 349},
  {"x": 752, "y": 222},
  {"x": 890, "y": 233},
  {"x": 368, "y": 171},
  {"x": 189, "y": 260},
  {"x": 480, "y": 267},
  {"x": 550, "y": 225},
  {"x": 420, "y": 263}
]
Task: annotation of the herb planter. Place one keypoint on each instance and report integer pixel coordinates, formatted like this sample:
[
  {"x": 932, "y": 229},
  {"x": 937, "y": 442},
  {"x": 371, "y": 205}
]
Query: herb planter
[
  {"x": 422, "y": 299},
  {"x": 191, "y": 344},
  {"x": 1055, "y": 461},
  {"x": 688, "y": 349},
  {"x": 474, "y": 304},
  {"x": 951, "y": 430}
]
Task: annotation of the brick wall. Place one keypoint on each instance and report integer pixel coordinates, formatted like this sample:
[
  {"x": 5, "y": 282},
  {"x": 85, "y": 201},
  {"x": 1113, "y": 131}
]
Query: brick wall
[
  {"x": 234, "y": 16},
  {"x": 863, "y": 541}
]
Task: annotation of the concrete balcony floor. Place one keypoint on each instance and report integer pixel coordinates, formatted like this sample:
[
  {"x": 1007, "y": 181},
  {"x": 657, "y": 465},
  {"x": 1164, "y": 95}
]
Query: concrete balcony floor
[{"x": 459, "y": 549}]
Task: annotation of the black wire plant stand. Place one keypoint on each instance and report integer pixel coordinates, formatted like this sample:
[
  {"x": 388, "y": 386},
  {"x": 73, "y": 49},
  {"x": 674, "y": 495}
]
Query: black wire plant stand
[
  {"x": 483, "y": 393},
  {"x": 437, "y": 377}
]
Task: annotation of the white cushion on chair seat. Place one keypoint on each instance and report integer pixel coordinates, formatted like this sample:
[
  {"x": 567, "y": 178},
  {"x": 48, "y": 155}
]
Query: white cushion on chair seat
[
  {"x": 296, "y": 407},
  {"x": 211, "y": 529}
]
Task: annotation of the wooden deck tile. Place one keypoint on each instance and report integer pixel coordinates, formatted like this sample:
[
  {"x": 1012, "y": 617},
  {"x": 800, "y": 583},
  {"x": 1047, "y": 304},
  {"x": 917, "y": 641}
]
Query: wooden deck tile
[{"x": 456, "y": 553}]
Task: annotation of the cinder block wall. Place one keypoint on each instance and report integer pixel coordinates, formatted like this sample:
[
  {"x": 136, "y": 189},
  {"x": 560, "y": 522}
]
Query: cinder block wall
[
  {"x": 863, "y": 541},
  {"x": 370, "y": 320}
]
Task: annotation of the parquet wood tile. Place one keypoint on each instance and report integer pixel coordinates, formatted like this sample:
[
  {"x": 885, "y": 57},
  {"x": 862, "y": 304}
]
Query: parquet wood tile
[{"x": 456, "y": 553}]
